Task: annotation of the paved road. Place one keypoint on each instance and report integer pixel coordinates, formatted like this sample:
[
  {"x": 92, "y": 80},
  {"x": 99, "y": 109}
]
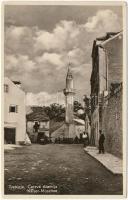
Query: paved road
[{"x": 57, "y": 169}]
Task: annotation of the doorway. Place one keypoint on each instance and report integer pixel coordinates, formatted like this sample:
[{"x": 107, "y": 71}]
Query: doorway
[
  {"x": 41, "y": 135},
  {"x": 10, "y": 135}
]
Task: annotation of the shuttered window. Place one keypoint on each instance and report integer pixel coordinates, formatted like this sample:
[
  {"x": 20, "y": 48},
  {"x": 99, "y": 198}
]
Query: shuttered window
[
  {"x": 13, "y": 108},
  {"x": 6, "y": 88}
]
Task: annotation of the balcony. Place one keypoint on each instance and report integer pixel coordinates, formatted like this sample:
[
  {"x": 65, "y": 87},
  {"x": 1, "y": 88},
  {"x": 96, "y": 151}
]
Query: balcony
[{"x": 68, "y": 91}]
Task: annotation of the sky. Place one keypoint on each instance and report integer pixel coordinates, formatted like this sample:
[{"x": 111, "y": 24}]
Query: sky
[{"x": 41, "y": 40}]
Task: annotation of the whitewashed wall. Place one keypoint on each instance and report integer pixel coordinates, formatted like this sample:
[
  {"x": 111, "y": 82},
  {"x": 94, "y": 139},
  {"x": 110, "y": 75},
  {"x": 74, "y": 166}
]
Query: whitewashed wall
[
  {"x": 79, "y": 129},
  {"x": 15, "y": 96}
]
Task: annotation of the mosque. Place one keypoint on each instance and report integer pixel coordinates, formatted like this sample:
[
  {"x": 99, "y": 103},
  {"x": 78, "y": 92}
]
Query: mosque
[
  {"x": 69, "y": 93},
  {"x": 72, "y": 127}
]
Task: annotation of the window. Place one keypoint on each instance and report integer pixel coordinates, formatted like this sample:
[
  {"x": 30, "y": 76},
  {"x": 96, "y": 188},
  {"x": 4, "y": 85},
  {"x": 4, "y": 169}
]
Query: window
[
  {"x": 6, "y": 88},
  {"x": 13, "y": 108}
]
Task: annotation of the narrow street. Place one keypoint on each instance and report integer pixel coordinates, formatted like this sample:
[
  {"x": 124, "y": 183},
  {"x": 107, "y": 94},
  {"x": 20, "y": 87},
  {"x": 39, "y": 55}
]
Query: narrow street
[{"x": 57, "y": 169}]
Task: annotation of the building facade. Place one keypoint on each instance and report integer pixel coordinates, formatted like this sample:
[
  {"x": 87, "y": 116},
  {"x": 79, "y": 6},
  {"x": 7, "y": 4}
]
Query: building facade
[
  {"x": 14, "y": 112},
  {"x": 112, "y": 122},
  {"x": 107, "y": 67}
]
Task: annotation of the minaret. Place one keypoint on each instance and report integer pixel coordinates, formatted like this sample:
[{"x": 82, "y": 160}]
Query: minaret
[{"x": 69, "y": 97}]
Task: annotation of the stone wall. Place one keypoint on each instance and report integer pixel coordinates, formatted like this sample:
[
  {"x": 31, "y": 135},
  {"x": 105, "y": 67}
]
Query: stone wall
[
  {"x": 112, "y": 124},
  {"x": 95, "y": 127},
  {"x": 114, "y": 50}
]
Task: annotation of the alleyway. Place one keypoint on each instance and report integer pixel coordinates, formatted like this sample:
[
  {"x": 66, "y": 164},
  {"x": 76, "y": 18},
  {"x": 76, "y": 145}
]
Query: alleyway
[{"x": 57, "y": 169}]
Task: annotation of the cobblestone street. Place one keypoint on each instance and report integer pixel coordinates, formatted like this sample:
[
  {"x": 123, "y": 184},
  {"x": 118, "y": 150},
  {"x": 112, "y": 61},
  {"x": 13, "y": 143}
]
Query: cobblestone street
[{"x": 57, "y": 169}]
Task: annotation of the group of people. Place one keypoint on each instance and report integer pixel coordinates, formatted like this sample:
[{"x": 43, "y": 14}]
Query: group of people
[
  {"x": 85, "y": 139},
  {"x": 63, "y": 140}
]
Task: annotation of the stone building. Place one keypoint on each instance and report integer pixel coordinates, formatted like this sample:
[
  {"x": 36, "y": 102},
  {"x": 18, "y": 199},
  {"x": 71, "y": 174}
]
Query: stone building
[
  {"x": 107, "y": 67},
  {"x": 14, "y": 112},
  {"x": 112, "y": 121}
]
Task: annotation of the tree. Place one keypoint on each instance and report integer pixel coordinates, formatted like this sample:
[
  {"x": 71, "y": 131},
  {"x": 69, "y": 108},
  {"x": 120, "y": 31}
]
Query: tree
[
  {"x": 87, "y": 102},
  {"x": 77, "y": 106},
  {"x": 79, "y": 110},
  {"x": 55, "y": 111}
]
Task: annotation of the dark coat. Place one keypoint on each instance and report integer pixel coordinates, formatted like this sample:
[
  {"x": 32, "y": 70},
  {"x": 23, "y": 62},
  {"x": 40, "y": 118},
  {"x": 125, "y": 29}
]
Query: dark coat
[{"x": 102, "y": 138}]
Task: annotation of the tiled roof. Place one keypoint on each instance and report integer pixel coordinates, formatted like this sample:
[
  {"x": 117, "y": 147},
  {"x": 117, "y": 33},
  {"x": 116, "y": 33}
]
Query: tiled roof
[{"x": 38, "y": 114}]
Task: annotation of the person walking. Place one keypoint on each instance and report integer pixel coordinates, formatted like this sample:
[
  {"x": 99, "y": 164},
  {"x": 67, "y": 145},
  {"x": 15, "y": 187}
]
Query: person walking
[
  {"x": 85, "y": 139},
  {"x": 36, "y": 127},
  {"x": 35, "y": 130},
  {"x": 101, "y": 142}
]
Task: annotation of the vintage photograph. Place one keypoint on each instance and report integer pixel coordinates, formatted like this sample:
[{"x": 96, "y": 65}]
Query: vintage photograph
[{"x": 63, "y": 98}]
